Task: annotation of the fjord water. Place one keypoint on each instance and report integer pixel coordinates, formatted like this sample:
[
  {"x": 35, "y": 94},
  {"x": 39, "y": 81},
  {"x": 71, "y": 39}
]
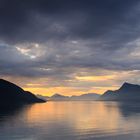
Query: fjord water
[{"x": 81, "y": 120}]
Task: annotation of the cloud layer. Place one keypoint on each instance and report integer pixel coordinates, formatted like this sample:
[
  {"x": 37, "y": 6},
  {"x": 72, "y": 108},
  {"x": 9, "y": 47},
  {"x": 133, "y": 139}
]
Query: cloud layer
[{"x": 55, "y": 42}]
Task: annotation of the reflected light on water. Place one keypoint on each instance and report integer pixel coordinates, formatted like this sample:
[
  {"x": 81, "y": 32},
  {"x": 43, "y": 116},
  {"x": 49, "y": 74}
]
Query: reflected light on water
[{"x": 74, "y": 121}]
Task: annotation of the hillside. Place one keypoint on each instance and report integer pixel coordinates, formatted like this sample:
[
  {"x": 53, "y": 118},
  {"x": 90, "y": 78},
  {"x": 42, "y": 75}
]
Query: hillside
[
  {"x": 127, "y": 92},
  {"x": 12, "y": 95}
]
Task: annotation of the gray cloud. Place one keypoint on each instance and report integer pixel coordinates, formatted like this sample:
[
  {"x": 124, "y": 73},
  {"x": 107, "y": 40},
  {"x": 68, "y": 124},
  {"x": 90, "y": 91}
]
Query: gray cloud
[
  {"x": 39, "y": 20},
  {"x": 61, "y": 39}
]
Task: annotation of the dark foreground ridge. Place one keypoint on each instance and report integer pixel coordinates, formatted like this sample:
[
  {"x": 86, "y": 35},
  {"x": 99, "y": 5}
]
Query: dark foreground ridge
[
  {"x": 13, "y": 95},
  {"x": 127, "y": 92}
]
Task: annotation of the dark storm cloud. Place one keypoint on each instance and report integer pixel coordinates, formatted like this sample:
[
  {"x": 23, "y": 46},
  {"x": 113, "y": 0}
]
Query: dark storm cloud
[{"x": 32, "y": 20}]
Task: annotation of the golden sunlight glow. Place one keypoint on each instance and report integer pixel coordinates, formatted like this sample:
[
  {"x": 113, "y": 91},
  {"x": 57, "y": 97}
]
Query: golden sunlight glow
[
  {"x": 100, "y": 115},
  {"x": 101, "y": 90},
  {"x": 76, "y": 86},
  {"x": 96, "y": 78},
  {"x": 68, "y": 91},
  {"x": 52, "y": 90}
]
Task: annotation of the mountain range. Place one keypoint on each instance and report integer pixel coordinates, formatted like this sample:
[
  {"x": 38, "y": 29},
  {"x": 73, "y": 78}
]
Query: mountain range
[
  {"x": 127, "y": 92},
  {"x": 59, "y": 97},
  {"x": 11, "y": 94},
  {"x": 88, "y": 96}
]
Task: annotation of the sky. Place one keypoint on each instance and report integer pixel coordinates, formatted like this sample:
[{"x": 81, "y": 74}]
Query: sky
[{"x": 70, "y": 46}]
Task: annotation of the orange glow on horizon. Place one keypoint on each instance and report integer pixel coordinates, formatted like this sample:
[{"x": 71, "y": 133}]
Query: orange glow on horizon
[
  {"x": 67, "y": 90},
  {"x": 95, "y": 78}
]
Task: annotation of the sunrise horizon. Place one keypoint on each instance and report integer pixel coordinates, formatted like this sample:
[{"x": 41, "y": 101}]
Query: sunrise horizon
[
  {"x": 69, "y": 69},
  {"x": 65, "y": 91},
  {"x": 72, "y": 49}
]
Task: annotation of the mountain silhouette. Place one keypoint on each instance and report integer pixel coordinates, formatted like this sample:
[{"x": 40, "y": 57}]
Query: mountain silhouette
[
  {"x": 43, "y": 97},
  {"x": 88, "y": 96},
  {"x": 59, "y": 97},
  {"x": 127, "y": 92},
  {"x": 12, "y": 95}
]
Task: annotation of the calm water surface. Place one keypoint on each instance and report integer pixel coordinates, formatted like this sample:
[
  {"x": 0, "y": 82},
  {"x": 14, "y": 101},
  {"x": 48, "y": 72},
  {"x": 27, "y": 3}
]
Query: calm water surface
[{"x": 72, "y": 121}]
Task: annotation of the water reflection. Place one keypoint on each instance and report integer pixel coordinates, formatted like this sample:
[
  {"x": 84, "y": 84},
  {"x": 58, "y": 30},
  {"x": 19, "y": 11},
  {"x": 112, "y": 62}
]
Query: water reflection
[
  {"x": 9, "y": 113},
  {"x": 129, "y": 109},
  {"x": 73, "y": 121}
]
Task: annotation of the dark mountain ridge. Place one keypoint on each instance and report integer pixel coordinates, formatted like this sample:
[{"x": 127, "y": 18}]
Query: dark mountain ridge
[
  {"x": 11, "y": 94},
  {"x": 127, "y": 92}
]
